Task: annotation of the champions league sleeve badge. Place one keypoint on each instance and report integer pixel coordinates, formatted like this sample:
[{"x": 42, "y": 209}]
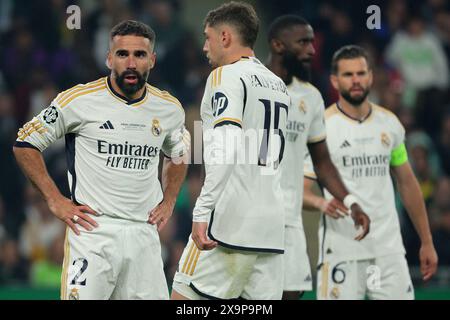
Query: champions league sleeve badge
[
  {"x": 156, "y": 128},
  {"x": 50, "y": 115}
]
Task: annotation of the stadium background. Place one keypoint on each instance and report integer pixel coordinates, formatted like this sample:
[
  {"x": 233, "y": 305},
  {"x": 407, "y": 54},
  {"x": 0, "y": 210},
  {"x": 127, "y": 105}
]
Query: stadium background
[{"x": 40, "y": 56}]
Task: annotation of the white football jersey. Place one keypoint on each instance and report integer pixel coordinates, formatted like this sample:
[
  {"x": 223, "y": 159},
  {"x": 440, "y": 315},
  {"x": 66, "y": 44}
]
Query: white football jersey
[
  {"x": 112, "y": 144},
  {"x": 306, "y": 124},
  {"x": 249, "y": 213},
  {"x": 361, "y": 151}
]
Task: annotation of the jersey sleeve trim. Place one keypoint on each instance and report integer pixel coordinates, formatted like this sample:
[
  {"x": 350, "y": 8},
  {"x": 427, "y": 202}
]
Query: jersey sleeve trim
[
  {"x": 165, "y": 96},
  {"x": 224, "y": 121},
  {"x": 81, "y": 93},
  {"x": 33, "y": 126},
  {"x": 399, "y": 156},
  {"x": 24, "y": 144},
  {"x": 216, "y": 77},
  {"x": 317, "y": 139},
  {"x": 63, "y": 96}
]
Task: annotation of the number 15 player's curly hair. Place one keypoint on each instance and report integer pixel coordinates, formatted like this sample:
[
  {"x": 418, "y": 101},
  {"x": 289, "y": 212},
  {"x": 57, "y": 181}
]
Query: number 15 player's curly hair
[{"x": 240, "y": 15}]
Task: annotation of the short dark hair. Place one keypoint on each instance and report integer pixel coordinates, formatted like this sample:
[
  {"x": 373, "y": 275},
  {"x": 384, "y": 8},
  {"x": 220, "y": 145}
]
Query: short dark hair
[
  {"x": 135, "y": 28},
  {"x": 348, "y": 52},
  {"x": 284, "y": 22},
  {"x": 238, "y": 14}
]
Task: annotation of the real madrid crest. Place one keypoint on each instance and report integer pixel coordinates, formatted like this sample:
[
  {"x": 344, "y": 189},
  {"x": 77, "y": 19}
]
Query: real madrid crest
[
  {"x": 73, "y": 295},
  {"x": 302, "y": 106},
  {"x": 156, "y": 128},
  {"x": 385, "y": 141}
]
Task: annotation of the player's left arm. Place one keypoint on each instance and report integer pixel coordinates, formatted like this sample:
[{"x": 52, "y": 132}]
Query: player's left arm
[
  {"x": 330, "y": 179},
  {"x": 325, "y": 170},
  {"x": 412, "y": 199},
  {"x": 176, "y": 156},
  {"x": 327, "y": 173}
]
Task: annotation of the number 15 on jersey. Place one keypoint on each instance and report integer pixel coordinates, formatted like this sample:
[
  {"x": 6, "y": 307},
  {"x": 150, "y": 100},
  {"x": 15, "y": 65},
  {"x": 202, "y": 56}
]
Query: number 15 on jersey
[{"x": 270, "y": 143}]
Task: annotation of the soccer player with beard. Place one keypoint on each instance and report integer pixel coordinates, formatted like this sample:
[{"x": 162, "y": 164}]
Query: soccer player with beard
[
  {"x": 291, "y": 45},
  {"x": 115, "y": 128},
  {"x": 366, "y": 144}
]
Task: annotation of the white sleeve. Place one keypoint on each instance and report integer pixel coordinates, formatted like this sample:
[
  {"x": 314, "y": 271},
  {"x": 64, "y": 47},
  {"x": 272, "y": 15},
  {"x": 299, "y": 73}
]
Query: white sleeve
[
  {"x": 177, "y": 142},
  {"x": 317, "y": 130},
  {"x": 219, "y": 164},
  {"x": 227, "y": 97},
  {"x": 49, "y": 125},
  {"x": 399, "y": 133}
]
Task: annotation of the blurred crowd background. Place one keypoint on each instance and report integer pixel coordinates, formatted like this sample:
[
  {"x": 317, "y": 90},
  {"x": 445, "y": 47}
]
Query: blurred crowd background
[{"x": 40, "y": 57}]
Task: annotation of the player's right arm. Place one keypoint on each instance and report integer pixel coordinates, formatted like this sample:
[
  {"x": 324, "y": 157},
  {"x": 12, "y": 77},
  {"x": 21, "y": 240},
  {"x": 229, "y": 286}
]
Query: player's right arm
[
  {"x": 328, "y": 176},
  {"x": 32, "y": 139},
  {"x": 224, "y": 95},
  {"x": 333, "y": 208}
]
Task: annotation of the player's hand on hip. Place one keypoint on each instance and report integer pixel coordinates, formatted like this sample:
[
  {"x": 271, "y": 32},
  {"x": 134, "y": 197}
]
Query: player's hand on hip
[
  {"x": 428, "y": 261},
  {"x": 334, "y": 208},
  {"x": 161, "y": 214},
  {"x": 361, "y": 220},
  {"x": 199, "y": 236},
  {"x": 71, "y": 214}
]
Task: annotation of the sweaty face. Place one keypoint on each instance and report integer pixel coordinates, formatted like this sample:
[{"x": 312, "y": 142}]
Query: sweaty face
[
  {"x": 130, "y": 59},
  {"x": 212, "y": 46},
  {"x": 353, "y": 80},
  {"x": 298, "y": 50}
]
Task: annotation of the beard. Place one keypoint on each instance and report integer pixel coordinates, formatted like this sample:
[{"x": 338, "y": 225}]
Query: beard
[
  {"x": 296, "y": 67},
  {"x": 130, "y": 89},
  {"x": 355, "y": 101}
]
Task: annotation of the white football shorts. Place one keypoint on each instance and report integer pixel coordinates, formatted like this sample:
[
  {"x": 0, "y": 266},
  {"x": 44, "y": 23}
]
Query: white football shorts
[{"x": 120, "y": 259}]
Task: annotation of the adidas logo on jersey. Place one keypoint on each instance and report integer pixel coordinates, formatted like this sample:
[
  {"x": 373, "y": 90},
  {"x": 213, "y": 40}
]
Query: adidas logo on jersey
[
  {"x": 345, "y": 144},
  {"x": 107, "y": 125},
  {"x": 308, "y": 278}
]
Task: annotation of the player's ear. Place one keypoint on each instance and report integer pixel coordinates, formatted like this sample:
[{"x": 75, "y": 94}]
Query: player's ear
[
  {"x": 370, "y": 77},
  {"x": 108, "y": 61},
  {"x": 225, "y": 37},
  {"x": 152, "y": 60},
  {"x": 333, "y": 80},
  {"x": 277, "y": 45}
]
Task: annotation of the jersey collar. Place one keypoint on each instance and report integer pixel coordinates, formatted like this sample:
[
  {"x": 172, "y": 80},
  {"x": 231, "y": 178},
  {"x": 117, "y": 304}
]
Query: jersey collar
[
  {"x": 122, "y": 98},
  {"x": 353, "y": 118},
  {"x": 246, "y": 58}
]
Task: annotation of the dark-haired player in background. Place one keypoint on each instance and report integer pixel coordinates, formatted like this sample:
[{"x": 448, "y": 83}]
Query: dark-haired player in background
[
  {"x": 366, "y": 144},
  {"x": 291, "y": 51},
  {"x": 114, "y": 128}
]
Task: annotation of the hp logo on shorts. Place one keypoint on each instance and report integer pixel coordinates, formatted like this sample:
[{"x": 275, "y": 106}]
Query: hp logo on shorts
[{"x": 219, "y": 103}]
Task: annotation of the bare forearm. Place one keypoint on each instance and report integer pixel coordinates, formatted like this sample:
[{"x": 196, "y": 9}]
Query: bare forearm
[
  {"x": 33, "y": 166},
  {"x": 326, "y": 172},
  {"x": 173, "y": 176},
  {"x": 331, "y": 180},
  {"x": 412, "y": 199}
]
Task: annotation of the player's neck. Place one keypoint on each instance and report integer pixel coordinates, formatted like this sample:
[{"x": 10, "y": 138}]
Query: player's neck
[
  {"x": 117, "y": 89},
  {"x": 360, "y": 112},
  {"x": 237, "y": 54},
  {"x": 277, "y": 67}
]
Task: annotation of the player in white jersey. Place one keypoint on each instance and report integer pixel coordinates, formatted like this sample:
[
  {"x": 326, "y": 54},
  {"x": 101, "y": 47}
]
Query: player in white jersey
[
  {"x": 366, "y": 143},
  {"x": 291, "y": 43},
  {"x": 240, "y": 207},
  {"x": 115, "y": 129}
]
